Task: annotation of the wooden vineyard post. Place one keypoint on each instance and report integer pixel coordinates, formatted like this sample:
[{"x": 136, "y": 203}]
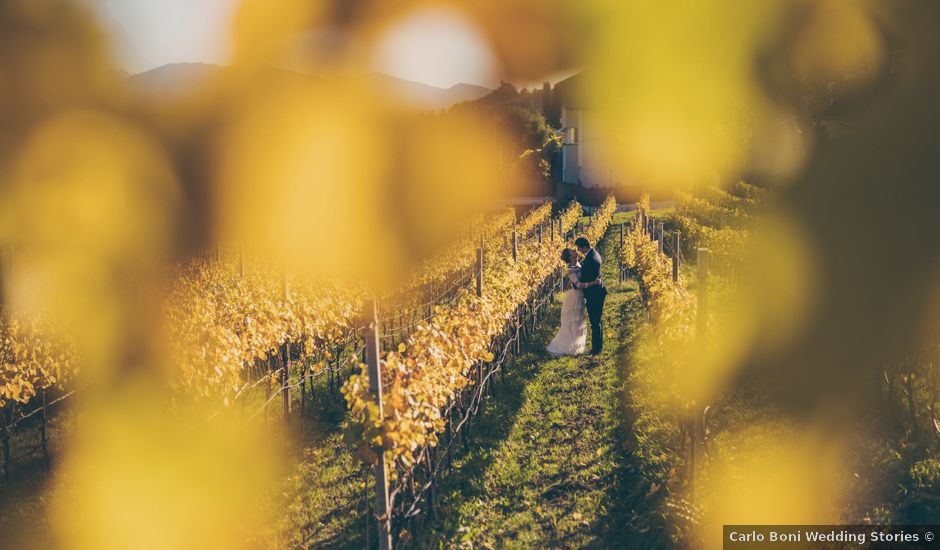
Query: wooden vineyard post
[
  {"x": 5, "y": 426},
  {"x": 480, "y": 272},
  {"x": 382, "y": 504},
  {"x": 42, "y": 434},
  {"x": 6, "y": 433},
  {"x": 430, "y": 466},
  {"x": 285, "y": 392},
  {"x": 284, "y": 287},
  {"x": 268, "y": 389},
  {"x": 662, "y": 236},
  {"x": 285, "y": 374},
  {"x": 675, "y": 260},
  {"x": 515, "y": 246},
  {"x": 696, "y": 420},
  {"x": 303, "y": 380},
  {"x": 702, "y": 307},
  {"x": 539, "y": 233},
  {"x": 619, "y": 257}
]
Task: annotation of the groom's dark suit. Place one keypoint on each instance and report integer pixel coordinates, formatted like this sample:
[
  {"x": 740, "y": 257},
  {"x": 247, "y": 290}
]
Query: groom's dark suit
[{"x": 594, "y": 296}]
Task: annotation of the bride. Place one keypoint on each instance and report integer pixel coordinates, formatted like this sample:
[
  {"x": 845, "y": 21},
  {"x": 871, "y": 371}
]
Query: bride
[{"x": 572, "y": 334}]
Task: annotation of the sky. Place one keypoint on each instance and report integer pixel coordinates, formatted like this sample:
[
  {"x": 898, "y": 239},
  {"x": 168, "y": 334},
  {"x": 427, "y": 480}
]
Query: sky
[
  {"x": 433, "y": 46},
  {"x": 436, "y": 47},
  {"x": 146, "y": 34}
]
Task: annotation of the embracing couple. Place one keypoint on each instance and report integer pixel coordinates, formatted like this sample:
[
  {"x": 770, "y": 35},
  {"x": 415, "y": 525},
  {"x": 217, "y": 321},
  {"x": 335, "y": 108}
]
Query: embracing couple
[{"x": 587, "y": 293}]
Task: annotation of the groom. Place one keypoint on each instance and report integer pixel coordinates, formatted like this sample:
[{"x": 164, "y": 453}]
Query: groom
[{"x": 594, "y": 290}]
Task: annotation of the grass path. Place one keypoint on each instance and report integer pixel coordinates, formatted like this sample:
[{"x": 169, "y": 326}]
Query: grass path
[
  {"x": 325, "y": 499},
  {"x": 550, "y": 464}
]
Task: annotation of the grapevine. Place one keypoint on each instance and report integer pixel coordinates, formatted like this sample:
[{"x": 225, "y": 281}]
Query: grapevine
[
  {"x": 436, "y": 363},
  {"x": 535, "y": 218},
  {"x": 33, "y": 357}
]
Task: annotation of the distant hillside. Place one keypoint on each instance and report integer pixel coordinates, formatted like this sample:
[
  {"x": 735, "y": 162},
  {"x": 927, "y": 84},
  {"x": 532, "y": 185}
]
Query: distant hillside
[
  {"x": 177, "y": 79},
  {"x": 427, "y": 96},
  {"x": 504, "y": 97}
]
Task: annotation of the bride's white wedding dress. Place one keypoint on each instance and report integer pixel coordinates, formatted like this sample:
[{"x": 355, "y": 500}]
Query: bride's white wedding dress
[{"x": 572, "y": 334}]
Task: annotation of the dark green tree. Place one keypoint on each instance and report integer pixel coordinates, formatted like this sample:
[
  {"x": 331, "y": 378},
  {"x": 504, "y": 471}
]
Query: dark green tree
[
  {"x": 547, "y": 100},
  {"x": 554, "y": 113}
]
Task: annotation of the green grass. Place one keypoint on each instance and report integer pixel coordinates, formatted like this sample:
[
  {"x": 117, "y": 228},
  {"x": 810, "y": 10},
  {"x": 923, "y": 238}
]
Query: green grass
[
  {"x": 662, "y": 213},
  {"x": 552, "y": 462},
  {"x": 323, "y": 501}
]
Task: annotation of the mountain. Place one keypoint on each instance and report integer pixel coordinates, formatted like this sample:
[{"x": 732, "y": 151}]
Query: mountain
[
  {"x": 426, "y": 96},
  {"x": 179, "y": 79},
  {"x": 175, "y": 78}
]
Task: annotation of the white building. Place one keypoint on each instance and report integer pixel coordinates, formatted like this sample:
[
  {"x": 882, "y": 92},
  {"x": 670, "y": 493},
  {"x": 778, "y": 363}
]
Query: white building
[{"x": 581, "y": 157}]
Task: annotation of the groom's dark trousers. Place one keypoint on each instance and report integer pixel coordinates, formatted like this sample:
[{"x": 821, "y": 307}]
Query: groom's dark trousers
[{"x": 594, "y": 297}]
